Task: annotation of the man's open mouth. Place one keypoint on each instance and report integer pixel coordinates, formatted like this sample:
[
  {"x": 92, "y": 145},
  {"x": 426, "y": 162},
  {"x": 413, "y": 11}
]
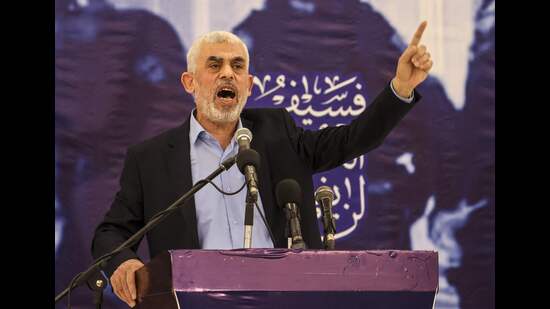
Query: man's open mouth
[{"x": 226, "y": 92}]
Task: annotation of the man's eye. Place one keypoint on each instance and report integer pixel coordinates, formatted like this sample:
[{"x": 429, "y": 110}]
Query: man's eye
[
  {"x": 238, "y": 66},
  {"x": 214, "y": 65}
]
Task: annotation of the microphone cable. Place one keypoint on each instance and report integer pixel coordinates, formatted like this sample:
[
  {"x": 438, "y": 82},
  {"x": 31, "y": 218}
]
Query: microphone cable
[{"x": 255, "y": 204}]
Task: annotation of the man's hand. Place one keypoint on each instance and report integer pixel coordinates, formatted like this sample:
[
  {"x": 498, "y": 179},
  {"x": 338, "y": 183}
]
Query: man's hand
[
  {"x": 413, "y": 66},
  {"x": 123, "y": 281}
]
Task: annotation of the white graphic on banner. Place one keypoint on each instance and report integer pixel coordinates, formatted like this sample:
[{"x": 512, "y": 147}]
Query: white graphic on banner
[
  {"x": 333, "y": 87},
  {"x": 439, "y": 234},
  {"x": 406, "y": 160},
  {"x": 59, "y": 223}
]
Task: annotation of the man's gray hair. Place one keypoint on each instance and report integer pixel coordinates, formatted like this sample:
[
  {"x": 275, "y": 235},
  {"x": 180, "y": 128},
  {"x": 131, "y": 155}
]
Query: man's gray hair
[{"x": 212, "y": 37}]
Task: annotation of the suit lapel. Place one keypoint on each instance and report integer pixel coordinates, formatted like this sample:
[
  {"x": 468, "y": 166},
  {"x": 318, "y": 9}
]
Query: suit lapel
[{"x": 178, "y": 160}]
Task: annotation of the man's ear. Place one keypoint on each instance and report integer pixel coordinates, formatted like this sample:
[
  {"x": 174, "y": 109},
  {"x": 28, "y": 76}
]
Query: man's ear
[
  {"x": 250, "y": 84},
  {"x": 187, "y": 82}
]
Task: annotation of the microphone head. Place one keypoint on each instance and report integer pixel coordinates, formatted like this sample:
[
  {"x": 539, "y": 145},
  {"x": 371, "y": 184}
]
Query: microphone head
[
  {"x": 243, "y": 133},
  {"x": 323, "y": 192},
  {"x": 248, "y": 157},
  {"x": 288, "y": 191}
]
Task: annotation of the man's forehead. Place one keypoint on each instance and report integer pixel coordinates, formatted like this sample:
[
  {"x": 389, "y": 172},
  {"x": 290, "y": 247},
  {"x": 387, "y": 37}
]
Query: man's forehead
[{"x": 222, "y": 51}]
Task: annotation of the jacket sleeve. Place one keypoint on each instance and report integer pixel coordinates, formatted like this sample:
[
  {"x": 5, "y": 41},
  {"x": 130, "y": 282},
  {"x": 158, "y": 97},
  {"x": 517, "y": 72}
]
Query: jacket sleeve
[
  {"x": 124, "y": 218},
  {"x": 332, "y": 146}
]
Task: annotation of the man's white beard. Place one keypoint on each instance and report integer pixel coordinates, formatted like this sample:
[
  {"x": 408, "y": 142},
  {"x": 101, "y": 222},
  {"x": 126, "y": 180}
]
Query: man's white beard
[{"x": 227, "y": 114}]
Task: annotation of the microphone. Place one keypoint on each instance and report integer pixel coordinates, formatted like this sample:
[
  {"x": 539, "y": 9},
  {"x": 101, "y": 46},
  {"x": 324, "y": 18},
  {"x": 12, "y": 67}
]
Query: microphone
[
  {"x": 243, "y": 137},
  {"x": 324, "y": 196},
  {"x": 248, "y": 162},
  {"x": 289, "y": 195}
]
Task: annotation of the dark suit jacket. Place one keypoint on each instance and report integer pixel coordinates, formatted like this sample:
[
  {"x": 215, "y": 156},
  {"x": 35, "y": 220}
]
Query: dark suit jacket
[{"x": 158, "y": 171}]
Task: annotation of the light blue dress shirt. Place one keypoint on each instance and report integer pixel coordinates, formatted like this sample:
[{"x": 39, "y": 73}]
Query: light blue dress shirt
[{"x": 220, "y": 218}]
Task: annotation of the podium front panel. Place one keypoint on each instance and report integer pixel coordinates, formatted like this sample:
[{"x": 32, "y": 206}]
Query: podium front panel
[{"x": 282, "y": 278}]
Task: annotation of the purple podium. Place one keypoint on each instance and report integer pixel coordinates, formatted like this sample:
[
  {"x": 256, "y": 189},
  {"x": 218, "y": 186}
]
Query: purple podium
[{"x": 284, "y": 278}]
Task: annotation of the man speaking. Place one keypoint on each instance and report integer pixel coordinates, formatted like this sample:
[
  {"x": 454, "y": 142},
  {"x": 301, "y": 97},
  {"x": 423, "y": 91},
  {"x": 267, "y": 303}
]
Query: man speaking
[{"x": 159, "y": 170}]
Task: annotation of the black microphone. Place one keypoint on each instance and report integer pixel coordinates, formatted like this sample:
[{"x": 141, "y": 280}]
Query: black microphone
[
  {"x": 324, "y": 196},
  {"x": 289, "y": 195},
  {"x": 248, "y": 162}
]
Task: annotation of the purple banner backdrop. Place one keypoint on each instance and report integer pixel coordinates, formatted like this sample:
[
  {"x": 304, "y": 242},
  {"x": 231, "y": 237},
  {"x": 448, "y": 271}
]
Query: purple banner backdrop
[{"x": 429, "y": 186}]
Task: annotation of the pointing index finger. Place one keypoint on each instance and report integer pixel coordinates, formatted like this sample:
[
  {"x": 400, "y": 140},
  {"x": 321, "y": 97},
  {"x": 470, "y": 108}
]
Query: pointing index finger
[{"x": 418, "y": 34}]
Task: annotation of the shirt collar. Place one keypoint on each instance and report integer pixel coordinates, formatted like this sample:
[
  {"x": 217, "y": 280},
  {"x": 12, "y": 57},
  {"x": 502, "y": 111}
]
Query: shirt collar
[{"x": 196, "y": 129}]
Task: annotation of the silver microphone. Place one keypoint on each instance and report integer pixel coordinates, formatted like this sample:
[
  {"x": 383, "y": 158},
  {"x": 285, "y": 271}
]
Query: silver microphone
[
  {"x": 324, "y": 196},
  {"x": 243, "y": 137}
]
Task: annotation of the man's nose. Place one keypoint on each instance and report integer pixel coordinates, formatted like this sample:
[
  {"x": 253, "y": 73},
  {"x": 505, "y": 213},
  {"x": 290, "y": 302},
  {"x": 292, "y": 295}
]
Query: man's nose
[{"x": 226, "y": 72}]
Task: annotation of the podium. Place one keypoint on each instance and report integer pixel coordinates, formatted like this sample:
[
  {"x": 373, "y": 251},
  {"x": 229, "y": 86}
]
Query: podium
[{"x": 286, "y": 278}]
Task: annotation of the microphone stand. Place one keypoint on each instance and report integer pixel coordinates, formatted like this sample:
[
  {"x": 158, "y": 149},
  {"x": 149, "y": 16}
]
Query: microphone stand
[
  {"x": 101, "y": 262},
  {"x": 329, "y": 230},
  {"x": 293, "y": 217},
  {"x": 324, "y": 196},
  {"x": 97, "y": 284},
  {"x": 248, "y": 219}
]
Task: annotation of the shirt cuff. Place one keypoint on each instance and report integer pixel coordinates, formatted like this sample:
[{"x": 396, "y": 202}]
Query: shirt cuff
[{"x": 406, "y": 100}]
